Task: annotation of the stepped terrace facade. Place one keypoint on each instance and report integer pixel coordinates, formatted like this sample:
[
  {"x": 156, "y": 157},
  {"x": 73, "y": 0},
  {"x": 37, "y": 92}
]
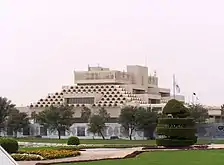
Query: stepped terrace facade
[{"x": 111, "y": 89}]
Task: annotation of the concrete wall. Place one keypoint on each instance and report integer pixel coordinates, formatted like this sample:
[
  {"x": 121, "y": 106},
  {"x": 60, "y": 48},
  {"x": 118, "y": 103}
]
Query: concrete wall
[
  {"x": 213, "y": 131},
  {"x": 112, "y": 129},
  {"x": 140, "y": 74},
  {"x": 5, "y": 158}
]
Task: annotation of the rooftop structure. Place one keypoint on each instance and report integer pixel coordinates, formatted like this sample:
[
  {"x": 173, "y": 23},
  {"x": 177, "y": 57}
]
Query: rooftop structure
[{"x": 102, "y": 87}]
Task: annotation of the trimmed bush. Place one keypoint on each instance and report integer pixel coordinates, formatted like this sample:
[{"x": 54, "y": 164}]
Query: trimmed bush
[
  {"x": 73, "y": 141},
  {"x": 10, "y": 145},
  {"x": 176, "y": 129},
  {"x": 180, "y": 132},
  {"x": 187, "y": 121},
  {"x": 174, "y": 142}
]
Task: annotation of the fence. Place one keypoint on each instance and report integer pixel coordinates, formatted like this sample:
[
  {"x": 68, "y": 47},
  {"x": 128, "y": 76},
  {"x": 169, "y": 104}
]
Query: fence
[{"x": 213, "y": 131}]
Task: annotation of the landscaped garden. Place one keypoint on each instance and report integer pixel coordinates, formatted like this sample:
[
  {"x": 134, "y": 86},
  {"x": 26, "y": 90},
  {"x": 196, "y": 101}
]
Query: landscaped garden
[
  {"x": 40, "y": 153},
  {"x": 175, "y": 129},
  {"x": 192, "y": 157}
]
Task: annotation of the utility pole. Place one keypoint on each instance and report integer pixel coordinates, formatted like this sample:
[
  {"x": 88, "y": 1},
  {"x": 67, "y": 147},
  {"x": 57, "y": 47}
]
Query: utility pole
[{"x": 174, "y": 86}]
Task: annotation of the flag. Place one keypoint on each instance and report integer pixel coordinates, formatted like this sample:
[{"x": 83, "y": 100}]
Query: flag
[
  {"x": 194, "y": 94},
  {"x": 177, "y": 88}
]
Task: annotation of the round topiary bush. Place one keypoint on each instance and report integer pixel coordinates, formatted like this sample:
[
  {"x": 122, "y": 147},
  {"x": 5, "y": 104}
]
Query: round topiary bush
[
  {"x": 10, "y": 145},
  {"x": 176, "y": 129},
  {"x": 73, "y": 141}
]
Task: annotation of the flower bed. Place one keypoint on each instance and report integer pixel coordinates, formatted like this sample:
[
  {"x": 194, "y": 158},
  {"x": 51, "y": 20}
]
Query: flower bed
[
  {"x": 53, "y": 154},
  {"x": 26, "y": 157}
]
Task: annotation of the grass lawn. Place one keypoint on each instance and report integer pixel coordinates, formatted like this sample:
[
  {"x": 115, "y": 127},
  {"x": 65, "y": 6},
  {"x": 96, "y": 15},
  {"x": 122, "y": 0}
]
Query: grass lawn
[
  {"x": 99, "y": 141},
  {"x": 193, "y": 157}
]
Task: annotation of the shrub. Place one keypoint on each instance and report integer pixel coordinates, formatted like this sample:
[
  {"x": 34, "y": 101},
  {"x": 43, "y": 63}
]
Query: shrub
[
  {"x": 10, "y": 145},
  {"x": 53, "y": 154},
  {"x": 174, "y": 142},
  {"x": 178, "y": 130},
  {"x": 26, "y": 157},
  {"x": 114, "y": 137},
  {"x": 73, "y": 141}
]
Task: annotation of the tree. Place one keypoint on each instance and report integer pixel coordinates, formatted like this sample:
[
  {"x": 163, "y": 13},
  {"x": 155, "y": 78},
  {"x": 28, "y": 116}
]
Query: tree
[
  {"x": 198, "y": 113},
  {"x": 85, "y": 114},
  {"x": 97, "y": 122},
  {"x": 34, "y": 116},
  {"x": 146, "y": 119},
  {"x": 59, "y": 118},
  {"x": 17, "y": 120},
  {"x": 176, "y": 128},
  {"x": 5, "y": 106},
  {"x": 128, "y": 119},
  {"x": 104, "y": 114}
]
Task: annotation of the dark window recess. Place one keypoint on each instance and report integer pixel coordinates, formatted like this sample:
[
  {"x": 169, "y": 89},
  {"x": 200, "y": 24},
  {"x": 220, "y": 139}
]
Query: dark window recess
[
  {"x": 81, "y": 131},
  {"x": 9, "y": 131},
  {"x": 80, "y": 100},
  {"x": 43, "y": 131},
  {"x": 137, "y": 91},
  {"x": 165, "y": 94},
  {"x": 154, "y": 101},
  {"x": 26, "y": 131},
  {"x": 142, "y": 80}
]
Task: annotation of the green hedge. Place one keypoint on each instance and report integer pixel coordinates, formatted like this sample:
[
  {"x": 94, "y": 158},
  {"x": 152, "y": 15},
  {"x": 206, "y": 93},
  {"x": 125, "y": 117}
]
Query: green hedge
[
  {"x": 179, "y": 132},
  {"x": 73, "y": 141},
  {"x": 184, "y": 121},
  {"x": 175, "y": 142},
  {"x": 10, "y": 145}
]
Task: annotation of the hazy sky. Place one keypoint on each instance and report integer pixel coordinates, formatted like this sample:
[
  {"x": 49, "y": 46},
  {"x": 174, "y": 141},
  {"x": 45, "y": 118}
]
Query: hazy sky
[{"x": 43, "y": 41}]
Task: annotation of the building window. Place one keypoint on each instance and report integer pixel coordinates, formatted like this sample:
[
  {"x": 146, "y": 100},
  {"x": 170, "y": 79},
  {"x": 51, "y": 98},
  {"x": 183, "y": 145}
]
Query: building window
[
  {"x": 165, "y": 94},
  {"x": 26, "y": 131},
  {"x": 138, "y": 91},
  {"x": 81, "y": 131},
  {"x": 142, "y": 80},
  {"x": 9, "y": 131},
  {"x": 154, "y": 101},
  {"x": 43, "y": 131},
  {"x": 80, "y": 100}
]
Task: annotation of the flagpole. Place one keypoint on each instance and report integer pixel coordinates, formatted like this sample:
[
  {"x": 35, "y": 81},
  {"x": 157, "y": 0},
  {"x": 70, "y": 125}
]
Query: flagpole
[{"x": 174, "y": 86}]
